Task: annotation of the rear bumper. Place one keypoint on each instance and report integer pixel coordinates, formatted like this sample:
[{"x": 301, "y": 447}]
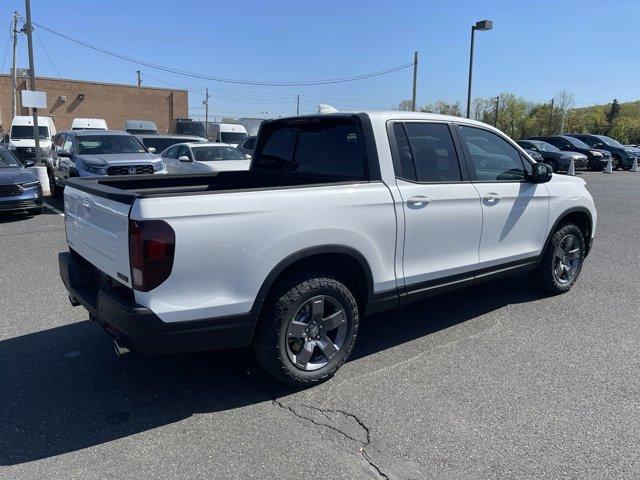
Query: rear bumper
[{"x": 136, "y": 327}]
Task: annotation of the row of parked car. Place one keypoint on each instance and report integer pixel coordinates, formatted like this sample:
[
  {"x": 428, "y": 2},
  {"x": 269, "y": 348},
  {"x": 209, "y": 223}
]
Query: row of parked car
[
  {"x": 89, "y": 149},
  {"x": 588, "y": 151}
]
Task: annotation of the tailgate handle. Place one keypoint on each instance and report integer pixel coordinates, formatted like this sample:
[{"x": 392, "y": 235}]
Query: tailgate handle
[{"x": 86, "y": 206}]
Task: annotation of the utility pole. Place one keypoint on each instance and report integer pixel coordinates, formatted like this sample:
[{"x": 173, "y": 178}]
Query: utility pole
[
  {"x": 550, "y": 117},
  {"x": 415, "y": 80},
  {"x": 32, "y": 76},
  {"x": 139, "y": 78},
  {"x": 495, "y": 120},
  {"x": 14, "y": 32},
  {"x": 205, "y": 102},
  {"x": 298, "y": 105}
]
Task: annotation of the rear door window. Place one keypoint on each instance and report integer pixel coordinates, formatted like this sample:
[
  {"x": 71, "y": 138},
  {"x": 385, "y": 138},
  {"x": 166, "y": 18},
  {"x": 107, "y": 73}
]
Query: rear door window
[{"x": 433, "y": 152}]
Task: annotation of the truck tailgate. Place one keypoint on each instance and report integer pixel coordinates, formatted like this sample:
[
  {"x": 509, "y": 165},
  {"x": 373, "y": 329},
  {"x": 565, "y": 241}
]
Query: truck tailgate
[{"x": 98, "y": 230}]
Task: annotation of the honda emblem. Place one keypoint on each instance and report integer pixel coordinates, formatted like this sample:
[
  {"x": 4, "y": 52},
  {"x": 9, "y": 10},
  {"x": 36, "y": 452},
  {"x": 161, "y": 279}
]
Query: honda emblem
[{"x": 132, "y": 170}]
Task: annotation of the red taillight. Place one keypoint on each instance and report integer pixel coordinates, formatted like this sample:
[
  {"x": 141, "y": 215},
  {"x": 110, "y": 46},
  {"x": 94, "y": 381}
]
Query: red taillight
[{"x": 152, "y": 246}]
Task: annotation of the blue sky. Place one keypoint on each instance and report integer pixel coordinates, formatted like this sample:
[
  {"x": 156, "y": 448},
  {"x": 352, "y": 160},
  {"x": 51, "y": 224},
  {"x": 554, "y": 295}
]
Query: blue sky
[{"x": 589, "y": 48}]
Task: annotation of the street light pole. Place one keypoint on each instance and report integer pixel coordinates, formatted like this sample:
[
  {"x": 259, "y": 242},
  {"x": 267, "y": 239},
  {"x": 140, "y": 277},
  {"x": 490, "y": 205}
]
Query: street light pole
[
  {"x": 32, "y": 77},
  {"x": 415, "y": 81},
  {"x": 481, "y": 26}
]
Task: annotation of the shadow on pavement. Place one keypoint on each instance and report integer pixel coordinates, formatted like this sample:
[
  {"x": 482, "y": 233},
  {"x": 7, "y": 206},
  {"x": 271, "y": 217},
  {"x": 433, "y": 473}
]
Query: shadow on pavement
[{"x": 63, "y": 389}]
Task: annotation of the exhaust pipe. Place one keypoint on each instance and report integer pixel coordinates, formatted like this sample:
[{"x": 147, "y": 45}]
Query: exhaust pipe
[{"x": 120, "y": 350}]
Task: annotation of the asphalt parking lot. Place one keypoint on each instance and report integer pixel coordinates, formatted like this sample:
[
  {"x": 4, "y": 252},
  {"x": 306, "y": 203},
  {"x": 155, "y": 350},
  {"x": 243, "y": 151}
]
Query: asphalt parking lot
[{"x": 495, "y": 381}]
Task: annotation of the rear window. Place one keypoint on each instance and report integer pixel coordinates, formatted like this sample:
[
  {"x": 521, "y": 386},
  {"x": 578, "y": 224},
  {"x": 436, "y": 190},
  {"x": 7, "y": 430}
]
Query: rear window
[
  {"x": 331, "y": 147},
  {"x": 160, "y": 144},
  {"x": 232, "y": 137}
]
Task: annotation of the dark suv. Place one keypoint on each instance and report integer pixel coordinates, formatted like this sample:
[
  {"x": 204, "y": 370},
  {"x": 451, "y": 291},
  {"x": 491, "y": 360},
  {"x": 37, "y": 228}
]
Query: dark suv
[
  {"x": 623, "y": 156},
  {"x": 596, "y": 157}
]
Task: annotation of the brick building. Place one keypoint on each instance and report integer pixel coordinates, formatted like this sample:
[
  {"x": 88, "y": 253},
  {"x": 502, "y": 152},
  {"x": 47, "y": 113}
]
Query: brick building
[{"x": 69, "y": 99}]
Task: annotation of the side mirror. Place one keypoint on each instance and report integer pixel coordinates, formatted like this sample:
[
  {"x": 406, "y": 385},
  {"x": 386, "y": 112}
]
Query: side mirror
[
  {"x": 151, "y": 149},
  {"x": 184, "y": 158},
  {"x": 63, "y": 153},
  {"x": 247, "y": 156},
  {"x": 29, "y": 163},
  {"x": 541, "y": 173}
]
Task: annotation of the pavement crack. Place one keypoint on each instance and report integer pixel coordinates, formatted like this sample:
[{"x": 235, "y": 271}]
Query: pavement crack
[{"x": 361, "y": 435}]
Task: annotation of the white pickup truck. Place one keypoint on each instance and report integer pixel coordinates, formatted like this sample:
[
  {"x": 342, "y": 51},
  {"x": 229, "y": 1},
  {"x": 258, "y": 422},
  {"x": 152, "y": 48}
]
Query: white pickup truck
[{"x": 340, "y": 215}]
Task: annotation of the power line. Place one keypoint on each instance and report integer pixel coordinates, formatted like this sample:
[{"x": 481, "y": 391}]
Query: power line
[
  {"x": 47, "y": 53},
  {"x": 222, "y": 79}
]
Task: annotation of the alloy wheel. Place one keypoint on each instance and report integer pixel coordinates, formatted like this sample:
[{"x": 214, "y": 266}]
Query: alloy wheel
[
  {"x": 316, "y": 333},
  {"x": 566, "y": 259}
]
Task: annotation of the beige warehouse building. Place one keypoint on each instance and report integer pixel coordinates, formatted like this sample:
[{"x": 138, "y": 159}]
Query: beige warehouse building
[{"x": 69, "y": 99}]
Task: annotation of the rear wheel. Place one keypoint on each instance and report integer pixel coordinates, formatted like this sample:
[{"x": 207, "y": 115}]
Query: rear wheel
[
  {"x": 309, "y": 329},
  {"x": 561, "y": 262}
]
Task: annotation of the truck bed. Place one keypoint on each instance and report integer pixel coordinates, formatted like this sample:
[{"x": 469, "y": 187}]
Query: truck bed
[{"x": 126, "y": 189}]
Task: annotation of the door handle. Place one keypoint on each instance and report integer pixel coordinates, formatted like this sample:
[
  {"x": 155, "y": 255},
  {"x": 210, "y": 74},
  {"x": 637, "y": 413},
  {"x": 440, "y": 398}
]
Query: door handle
[
  {"x": 419, "y": 200},
  {"x": 492, "y": 197}
]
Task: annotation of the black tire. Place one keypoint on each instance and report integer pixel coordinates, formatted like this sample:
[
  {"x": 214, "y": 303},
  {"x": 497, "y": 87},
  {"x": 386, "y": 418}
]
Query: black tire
[
  {"x": 544, "y": 276},
  {"x": 270, "y": 344},
  {"x": 53, "y": 188}
]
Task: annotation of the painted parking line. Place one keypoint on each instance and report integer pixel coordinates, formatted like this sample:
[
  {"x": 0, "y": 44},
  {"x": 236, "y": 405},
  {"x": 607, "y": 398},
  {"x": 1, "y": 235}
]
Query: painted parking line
[{"x": 54, "y": 209}]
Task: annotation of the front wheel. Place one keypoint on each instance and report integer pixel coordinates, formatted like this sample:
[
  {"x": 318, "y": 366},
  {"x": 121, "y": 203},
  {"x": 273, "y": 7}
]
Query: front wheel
[
  {"x": 53, "y": 188},
  {"x": 615, "y": 163},
  {"x": 561, "y": 262},
  {"x": 309, "y": 329}
]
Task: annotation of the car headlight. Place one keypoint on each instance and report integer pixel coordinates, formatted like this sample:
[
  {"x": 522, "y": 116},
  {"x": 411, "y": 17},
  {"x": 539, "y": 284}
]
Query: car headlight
[
  {"x": 98, "y": 170},
  {"x": 158, "y": 167},
  {"x": 12, "y": 146},
  {"x": 29, "y": 184},
  {"x": 596, "y": 154}
]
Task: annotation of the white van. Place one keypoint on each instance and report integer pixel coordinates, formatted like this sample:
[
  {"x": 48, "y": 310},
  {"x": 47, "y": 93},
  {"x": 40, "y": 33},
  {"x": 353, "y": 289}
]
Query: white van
[
  {"x": 229, "y": 133},
  {"x": 89, "y": 124},
  {"x": 21, "y": 140}
]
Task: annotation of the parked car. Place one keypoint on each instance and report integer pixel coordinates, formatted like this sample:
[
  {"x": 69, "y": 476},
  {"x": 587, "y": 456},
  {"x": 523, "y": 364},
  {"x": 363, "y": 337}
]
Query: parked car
[
  {"x": 288, "y": 256},
  {"x": 89, "y": 124},
  {"x": 21, "y": 139},
  {"x": 558, "y": 160},
  {"x": 535, "y": 155},
  {"x": 622, "y": 156},
  {"x": 88, "y": 153},
  {"x": 597, "y": 158},
  {"x": 19, "y": 188},
  {"x": 159, "y": 143},
  {"x": 140, "y": 127},
  {"x": 204, "y": 158},
  {"x": 229, "y": 133},
  {"x": 247, "y": 145}
]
